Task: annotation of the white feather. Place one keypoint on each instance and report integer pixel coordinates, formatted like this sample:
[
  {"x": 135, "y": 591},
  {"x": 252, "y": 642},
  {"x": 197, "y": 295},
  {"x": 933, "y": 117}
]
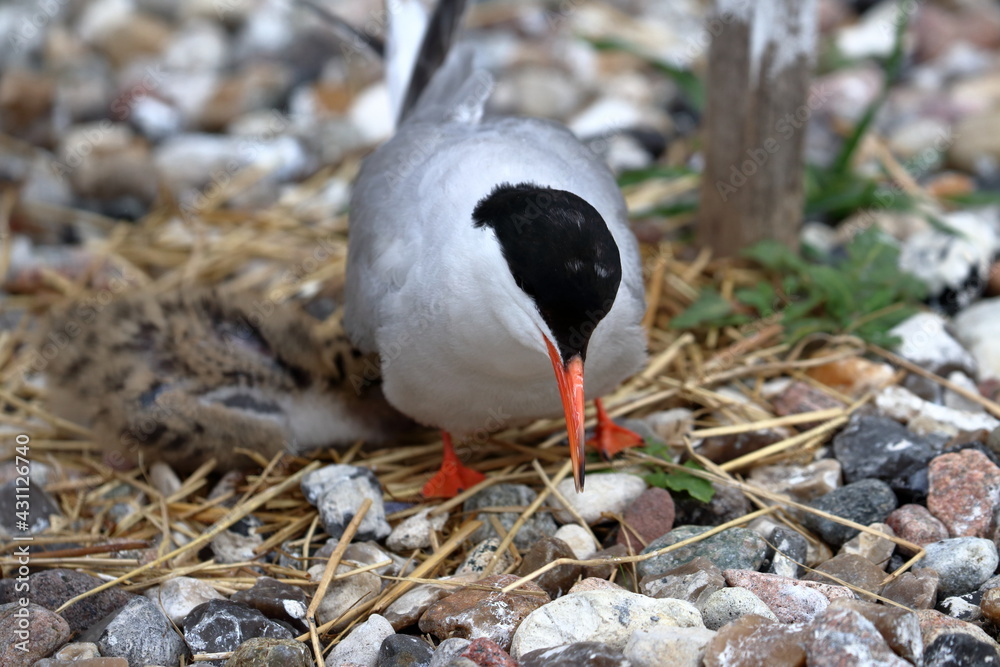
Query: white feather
[{"x": 407, "y": 24}]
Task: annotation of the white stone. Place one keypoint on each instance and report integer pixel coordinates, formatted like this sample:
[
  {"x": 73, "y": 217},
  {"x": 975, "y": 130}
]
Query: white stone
[
  {"x": 925, "y": 340},
  {"x": 344, "y": 594},
  {"x": 873, "y": 37},
  {"x": 607, "y": 616},
  {"x": 668, "y": 647},
  {"x": 371, "y": 114},
  {"x": 604, "y": 493},
  {"x": 956, "y": 401},
  {"x": 415, "y": 531},
  {"x": 976, "y": 328},
  {"x": 728, "y": 604},
  {"x": 361, "y": 647},
  {"x": 177, "y": 597},
  {"x": 958, "y": 262},
  {"x": 925, "y": 418},
  {"x": 482, "y": 554},
  {"x": 579, "y": 540}
]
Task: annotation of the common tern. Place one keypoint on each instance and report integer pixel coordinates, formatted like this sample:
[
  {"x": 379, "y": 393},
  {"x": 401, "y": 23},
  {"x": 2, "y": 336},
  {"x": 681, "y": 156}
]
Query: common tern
[{"x": 486, "y": 255}]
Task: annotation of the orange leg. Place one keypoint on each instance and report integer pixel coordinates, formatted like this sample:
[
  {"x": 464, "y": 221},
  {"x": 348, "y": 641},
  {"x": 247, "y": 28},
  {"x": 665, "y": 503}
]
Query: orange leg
[
  {"x": 453, "y": 477},
  {"x": 610, "y": 438}
]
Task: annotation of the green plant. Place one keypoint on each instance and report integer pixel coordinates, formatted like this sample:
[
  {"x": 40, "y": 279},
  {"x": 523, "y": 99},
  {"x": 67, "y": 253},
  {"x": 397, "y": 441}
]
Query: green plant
[
  {"x": 677, "y": 480},
  {"x": 865, "y": 293}
]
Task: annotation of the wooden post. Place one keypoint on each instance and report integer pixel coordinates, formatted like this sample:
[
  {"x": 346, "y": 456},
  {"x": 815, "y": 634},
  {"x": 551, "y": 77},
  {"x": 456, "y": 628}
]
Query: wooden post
[{"x": 757, "y": 108}]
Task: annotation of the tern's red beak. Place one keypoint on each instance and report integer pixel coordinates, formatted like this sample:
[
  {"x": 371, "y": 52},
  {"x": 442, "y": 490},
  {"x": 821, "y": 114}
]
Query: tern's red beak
[{"x": 569, "y": 377}]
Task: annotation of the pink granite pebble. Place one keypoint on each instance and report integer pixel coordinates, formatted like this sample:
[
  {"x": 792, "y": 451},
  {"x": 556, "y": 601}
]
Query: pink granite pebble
[
  {"x": 914, "y": 523},
  {"x": 791, "y": 600},
  {"x": 964, "y": 492}
]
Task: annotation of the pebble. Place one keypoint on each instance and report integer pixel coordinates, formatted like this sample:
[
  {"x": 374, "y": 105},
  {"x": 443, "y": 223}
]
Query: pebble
[
  {"x": 448, "y": 650},
  {"x": 579, "y": 540},
  {"x": 606, "y": 494},
  {"x": 603, "y": 571},
  {"x": 694, "y": 582},
  {"x": 415, "y": 532},
  {"x": 51, "y": 588},
  {"x": 650, "y": 516},
  {"x": 412, "y": 604},
  {"x": 479, "y": 558},
  {"x": 926, "y": 418},
  {"x": 785, "y": 550},
  {"x": 926, "y": 341},
  {"x": 557, "y": 580},
  {"x": 917, "y": 589},
  {"x": 668, "y": 647},
  {"x": 802, "y": 483},
  {"x": 367, "y": 553},
  {"x": 751, "y": 641},
  {"x": 592, "y": 654},
  {"x": 915, "y": 523},
  {"x": 78, "y": 651},
  {"x": 734, "y": 548},
  {"x": 791, "y": 600},
  {"x": 840, "y": 632},
  {"x": 964, "y": 492},
  {"x": 138, "y": 632},
  {"x": 852, "y": 376},
  {"x": 472, "y": 613},
  {"x": 404, "y": 651},
  {"x": 510, "y": 495},
  {"x": 976, "y": 329},
  {"x": 85, "y": 662},
  {"x": 221, "y": 625},
  {"x": 485, "y": 653},
  {"x": 727, "y": 504},
  {"x": 850, "y": 568},
  {"x": 963, "y": 563},
  {"x": 269, "y": 652},
  {"x": 344, "y": 594},
  {"x": 867, "y": 501},
  {"x": 607, "y": 616},
  {"x": 361, "y": 646},
  {"x": 276, "y": 600},
  {"x": 799, "y": 397},
  {"x": 990, "y": 605},
  {"x": 900, "y": 628},
  {"x": 338, "y": 491},
  {"x": 42, "y": 507},
  {"x": 874, "y": 548},
  {"x": 178, "y": 596},
  {"x": 728, "y": 604},
  {"x": 874, "y": 447},
  {"x": 961, "y": 607},
  {"x": 945, "y": 639},
  {"x": 39, "y": 631}
]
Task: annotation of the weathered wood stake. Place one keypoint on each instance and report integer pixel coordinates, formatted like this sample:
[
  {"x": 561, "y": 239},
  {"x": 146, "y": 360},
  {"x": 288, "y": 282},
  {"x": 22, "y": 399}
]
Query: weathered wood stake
[{"x": 757, "y": 108}]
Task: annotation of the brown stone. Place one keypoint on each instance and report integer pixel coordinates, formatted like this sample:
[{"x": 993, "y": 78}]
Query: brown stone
[
  {"x": 650, "y": 516},
  {"x": 842, "y": 637},
  {"x": 900, "y": 628},
  {"x": 751, "y": 641},
  {"x": 606, "y": 570},
  {"x": 916, "y": 589},
  {"x": 850, "y": 568},
  {"x": 45, "y": 632},
  {"x": 51, "y": 588},
  {"x": 473, "y": 612},
  {"x": 875, "y": 548},
  {"x": 964, "y": 491},
  {"x": 852, "y": 376},
  {"x": 800, "y": 397},
  {"x": 914, "y": 523},
  {"x": 990, "y": 605},
  {"x": 558, "y": 580}
]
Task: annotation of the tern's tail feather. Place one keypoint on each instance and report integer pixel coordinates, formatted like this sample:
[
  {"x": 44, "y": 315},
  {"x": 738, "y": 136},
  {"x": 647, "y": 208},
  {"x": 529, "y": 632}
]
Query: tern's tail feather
[
  {"x": 407, "y": 24},
  {"x": 442, "y": 83}
]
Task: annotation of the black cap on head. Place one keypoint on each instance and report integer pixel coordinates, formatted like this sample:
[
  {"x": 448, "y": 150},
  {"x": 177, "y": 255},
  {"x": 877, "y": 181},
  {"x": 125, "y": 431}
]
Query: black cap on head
[{"x": 560, "y": 253}]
